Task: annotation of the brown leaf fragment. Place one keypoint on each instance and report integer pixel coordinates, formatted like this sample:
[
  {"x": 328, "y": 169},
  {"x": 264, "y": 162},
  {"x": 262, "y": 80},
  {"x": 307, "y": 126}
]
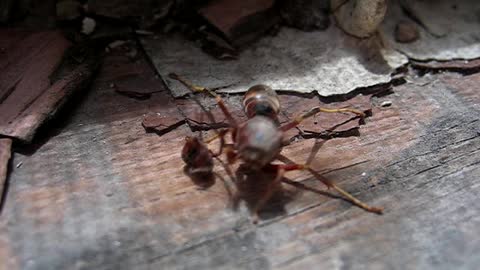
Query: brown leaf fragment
[
  {"x": 5, "y": 154},
  {"x": 161, "y": 123},
  {"x": 241, "y": 21}
]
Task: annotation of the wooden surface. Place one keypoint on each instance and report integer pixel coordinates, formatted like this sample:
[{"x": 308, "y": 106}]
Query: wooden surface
[{"x": 98, "y": 192}]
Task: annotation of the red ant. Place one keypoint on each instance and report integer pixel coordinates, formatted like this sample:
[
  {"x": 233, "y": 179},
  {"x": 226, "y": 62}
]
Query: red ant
[{"x": 258, "y": 141}]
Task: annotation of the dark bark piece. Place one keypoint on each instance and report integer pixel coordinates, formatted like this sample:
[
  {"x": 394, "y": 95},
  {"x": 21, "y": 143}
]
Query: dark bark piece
[
  {"x": 241, "y": 21},
  {"x": 5, "y": 154},
  {"x": 26, "y": 93},
  {"x": 34, "y": 86}
]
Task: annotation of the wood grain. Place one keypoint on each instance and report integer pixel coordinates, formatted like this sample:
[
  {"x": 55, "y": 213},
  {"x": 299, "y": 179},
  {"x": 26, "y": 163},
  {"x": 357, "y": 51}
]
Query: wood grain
[{"x": 101, "y": 193}]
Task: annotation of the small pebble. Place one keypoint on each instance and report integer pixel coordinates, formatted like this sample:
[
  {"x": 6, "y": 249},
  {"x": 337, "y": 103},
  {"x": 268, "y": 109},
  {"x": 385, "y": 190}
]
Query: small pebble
[
  {"x": 406, "y": 32},
  {"x": 88, "y": 25},
  {"x": 386, "y": 103},
  {"x": 116, "y": 43},
  {"x": 144, "y": 32}
]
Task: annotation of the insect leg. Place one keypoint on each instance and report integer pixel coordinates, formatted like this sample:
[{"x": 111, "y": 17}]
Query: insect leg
[
  {"x": 295, "y": 122},
  {"x": 332, "y": 185},
  {"x": 220, "y": 102},
  {"x": 268, "y": 193}
]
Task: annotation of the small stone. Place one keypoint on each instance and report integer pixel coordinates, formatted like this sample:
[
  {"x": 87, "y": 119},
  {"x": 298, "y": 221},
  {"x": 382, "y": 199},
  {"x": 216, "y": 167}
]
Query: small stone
[
  {"x": 386, "y": 103},
  {"x": 406, "y": 32},
  {"x": 359, "y": 18},
  {"x": 88, "y": 25},
  {"x": 116, "y": 43}
]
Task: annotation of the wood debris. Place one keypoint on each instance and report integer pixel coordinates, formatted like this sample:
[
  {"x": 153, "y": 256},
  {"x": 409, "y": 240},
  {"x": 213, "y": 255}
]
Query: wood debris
[
  {"x": 35, "y": 79},
  {"x": 241, "y": 21}
]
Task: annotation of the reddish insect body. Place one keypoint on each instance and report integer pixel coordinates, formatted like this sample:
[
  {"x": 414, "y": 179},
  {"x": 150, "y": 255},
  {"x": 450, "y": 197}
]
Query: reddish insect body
[{"x": 259, "y": 141}]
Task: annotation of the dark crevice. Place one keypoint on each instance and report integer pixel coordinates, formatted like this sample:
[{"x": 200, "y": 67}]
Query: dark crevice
[{"x": 6, "y": 185}]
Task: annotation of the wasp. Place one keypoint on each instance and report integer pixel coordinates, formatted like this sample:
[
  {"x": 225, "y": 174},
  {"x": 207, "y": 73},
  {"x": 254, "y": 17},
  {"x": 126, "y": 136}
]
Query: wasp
[{"x": 258, "y": 141}]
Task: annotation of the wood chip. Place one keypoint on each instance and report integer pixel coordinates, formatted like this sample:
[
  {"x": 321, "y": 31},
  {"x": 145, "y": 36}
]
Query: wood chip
[
  {"x": 240, "y": 21},
  {"x": 30, "y": 58},
  {"x": 34, "y": 81}
]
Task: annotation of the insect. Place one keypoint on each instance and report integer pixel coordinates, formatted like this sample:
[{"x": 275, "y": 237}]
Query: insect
[{"x": 259, "y": 141}]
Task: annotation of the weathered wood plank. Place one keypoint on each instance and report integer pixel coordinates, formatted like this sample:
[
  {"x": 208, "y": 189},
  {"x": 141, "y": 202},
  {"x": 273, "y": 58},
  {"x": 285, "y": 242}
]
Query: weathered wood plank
[{"x": 103, "y": 194}]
